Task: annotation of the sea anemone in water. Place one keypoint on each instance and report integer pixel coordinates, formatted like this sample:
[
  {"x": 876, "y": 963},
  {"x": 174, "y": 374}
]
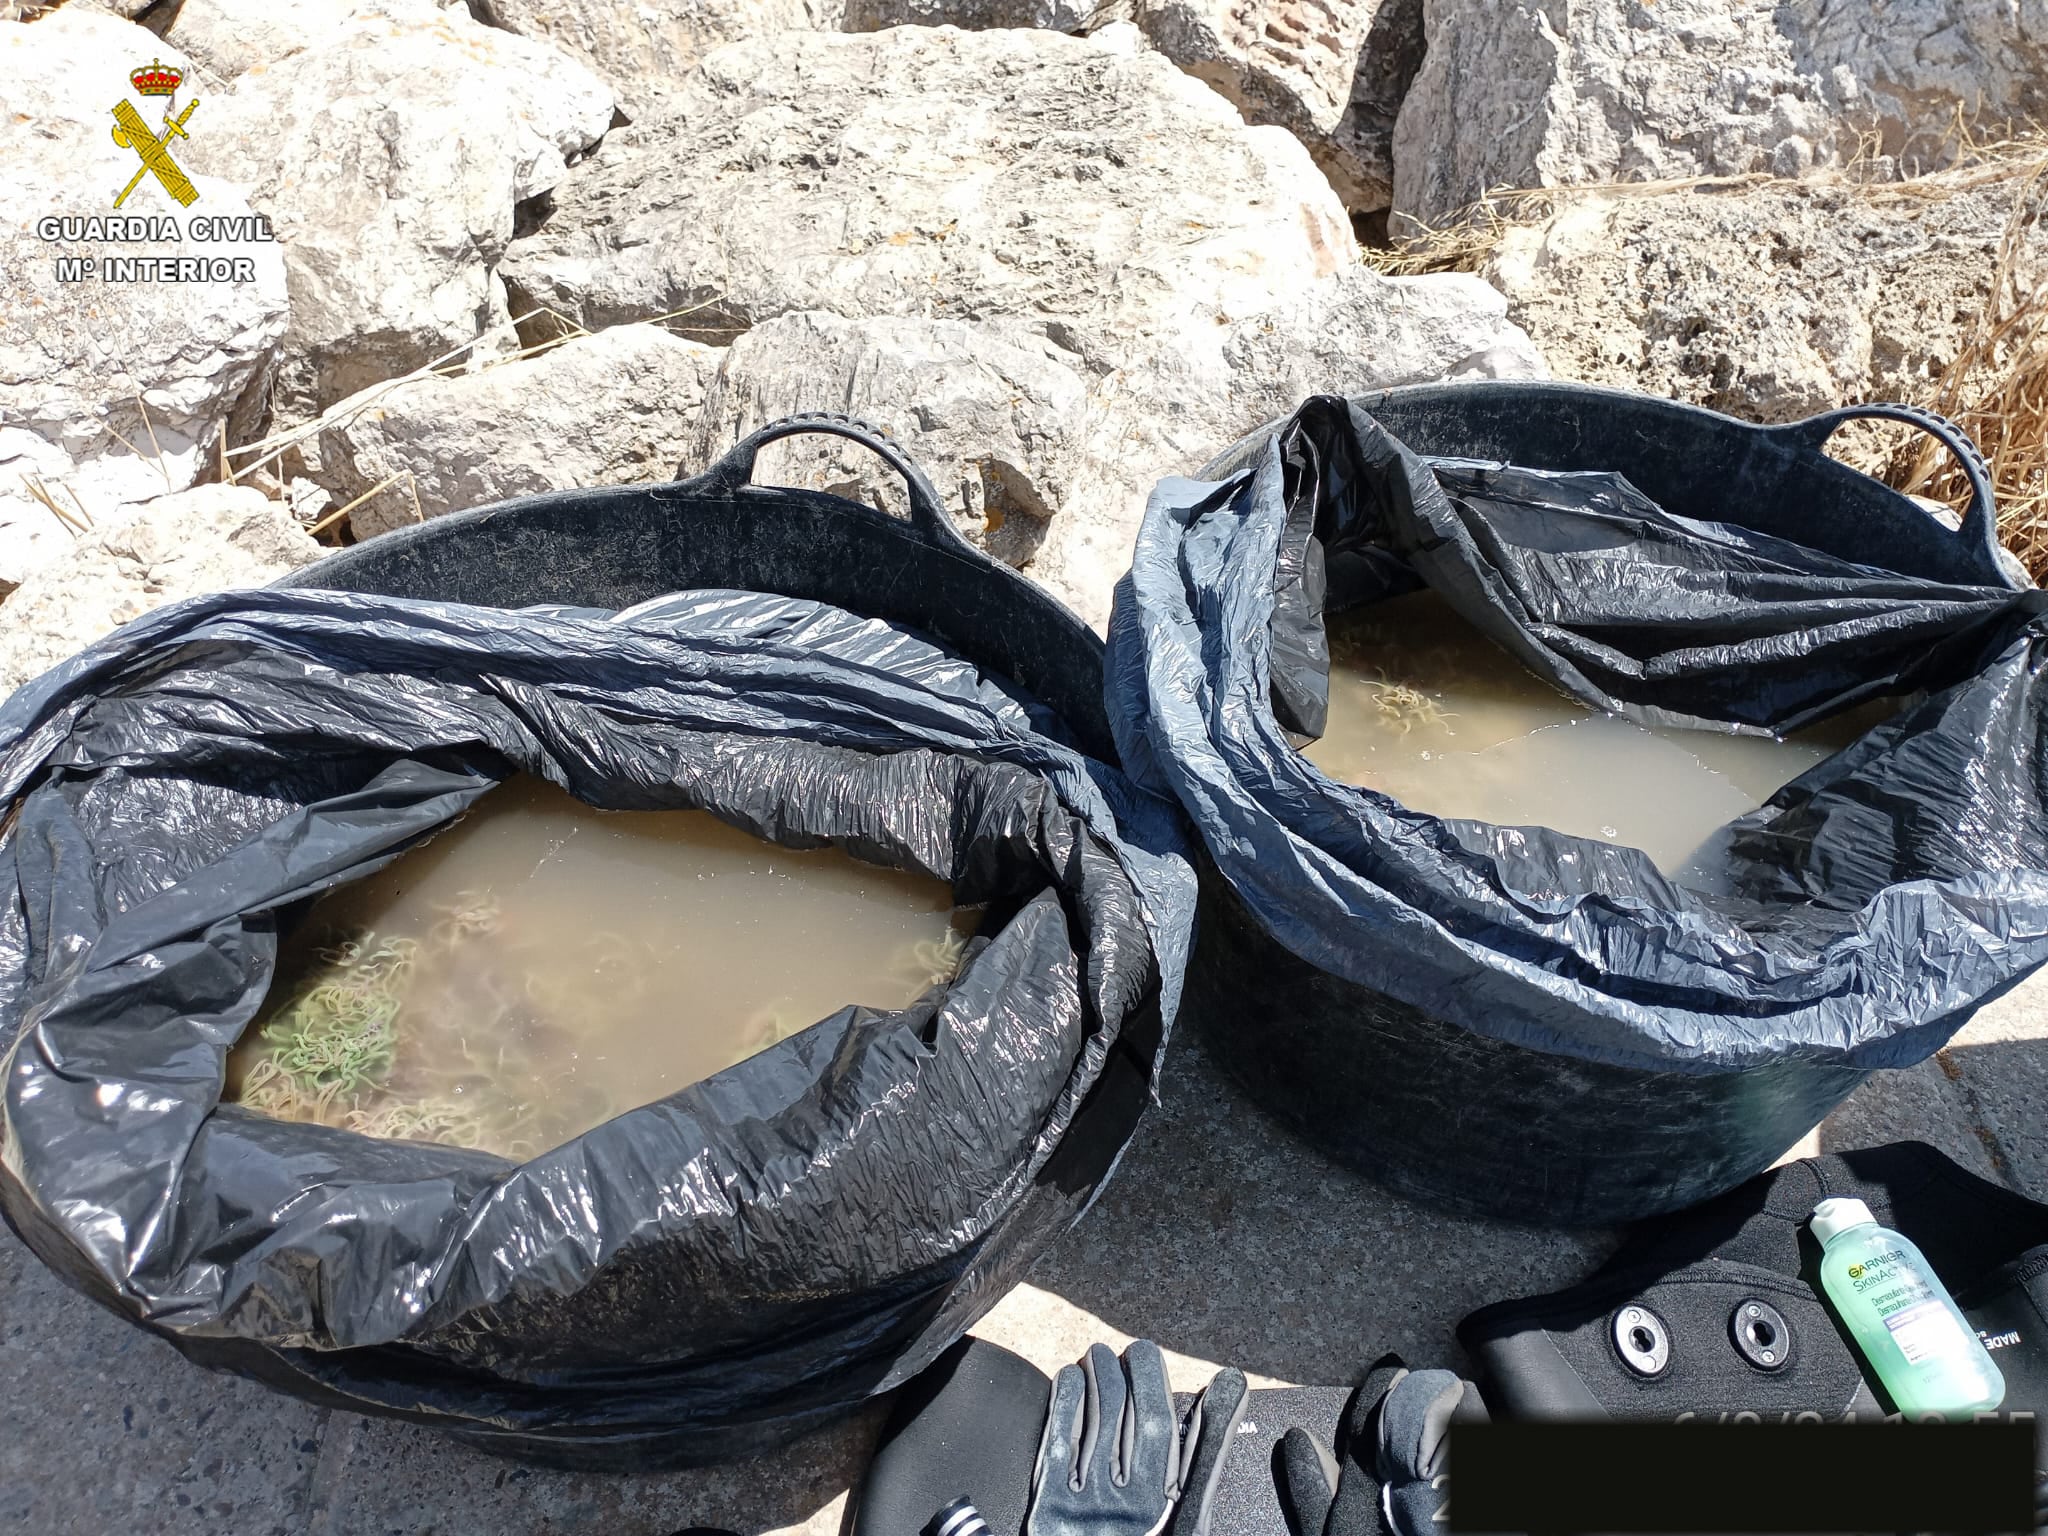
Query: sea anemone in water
[
  {"x": 934, "y": 962},
  {"x": 336, "y": 1035},
  {"x": 1405, "y": 708}
]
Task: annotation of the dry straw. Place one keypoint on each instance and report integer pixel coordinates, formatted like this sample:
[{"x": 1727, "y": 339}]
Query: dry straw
[{"x": 1996, "y": 387}]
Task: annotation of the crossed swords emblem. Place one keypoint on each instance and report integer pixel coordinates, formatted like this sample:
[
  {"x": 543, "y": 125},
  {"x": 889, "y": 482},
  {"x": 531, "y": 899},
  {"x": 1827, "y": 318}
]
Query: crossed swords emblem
[{"x": 132, "y": 132}]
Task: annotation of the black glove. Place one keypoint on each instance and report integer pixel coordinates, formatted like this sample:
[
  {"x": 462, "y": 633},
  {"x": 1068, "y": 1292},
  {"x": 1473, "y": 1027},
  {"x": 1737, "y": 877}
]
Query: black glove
[
  {"x": 1116, "y": 1460},
  {"x": 966, "y": 1428},
  {"x": 1414, "y": 1428},
  {"x": 1391, "y": 1479},
  {"x": 1207, "y": 1435}
]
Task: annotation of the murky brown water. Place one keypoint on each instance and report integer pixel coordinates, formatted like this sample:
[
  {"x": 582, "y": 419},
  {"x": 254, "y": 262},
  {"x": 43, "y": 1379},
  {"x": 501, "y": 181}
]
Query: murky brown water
[
  {"x": 1425, "y": 708},
  {"x": 542, "y": 966}
]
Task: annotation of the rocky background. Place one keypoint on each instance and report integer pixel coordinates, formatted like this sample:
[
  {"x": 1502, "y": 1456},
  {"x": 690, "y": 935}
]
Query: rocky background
[{"x": 1058, "y": 248}]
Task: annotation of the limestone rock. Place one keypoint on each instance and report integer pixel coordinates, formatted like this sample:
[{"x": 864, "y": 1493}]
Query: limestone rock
[
  {"x": 206, "y": 539},
  {"x": 309, "y": 502},
  {"x": 935, "y": 174},
  {"x": 1769, "y": 303},
  {"x": 390, "y": 159},
  {"x": 1332, "y": 72},
  {"x": 608, "y": 409},
  {"x": 995, "y": 220},
  {"x": 111, "y": 391},
  {"x": 1911, "y": 64},
  {"x": 229, "y": 37},
  {"x": 1372, "y": 332},
  {"x": 642, "y": 49},
  {"x": 1523, "y": 93},
  {"x": 980, "y": 15}
]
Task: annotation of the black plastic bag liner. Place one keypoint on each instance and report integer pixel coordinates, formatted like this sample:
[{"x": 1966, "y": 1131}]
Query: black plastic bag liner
[
  {"x": 702, "y": 1277},
  {"x": 1512, "y": 1019}
]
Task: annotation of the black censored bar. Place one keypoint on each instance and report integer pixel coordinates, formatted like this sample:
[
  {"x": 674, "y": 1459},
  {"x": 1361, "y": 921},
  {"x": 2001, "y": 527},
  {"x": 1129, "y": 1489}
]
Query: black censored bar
[{"x": 1740, "y": 1479}]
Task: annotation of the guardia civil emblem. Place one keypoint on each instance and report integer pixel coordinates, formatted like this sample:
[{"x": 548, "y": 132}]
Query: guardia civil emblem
[{"x": 156, "y": 80}]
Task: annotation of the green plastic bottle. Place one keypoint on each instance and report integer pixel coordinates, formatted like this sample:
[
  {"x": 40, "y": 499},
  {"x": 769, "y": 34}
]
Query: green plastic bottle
[{"x": 1909, "y": 1328}]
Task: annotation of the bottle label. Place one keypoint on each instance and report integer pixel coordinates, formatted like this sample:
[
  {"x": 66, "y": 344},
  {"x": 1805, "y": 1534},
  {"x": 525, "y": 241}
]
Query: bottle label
[
  {"x": 1925, "y": 1331},
  {"x": 1888, "y": 1284}
]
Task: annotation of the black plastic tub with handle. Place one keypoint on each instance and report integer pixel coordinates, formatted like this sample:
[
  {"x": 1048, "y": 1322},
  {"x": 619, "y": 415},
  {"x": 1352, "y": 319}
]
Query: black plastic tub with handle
[
  {"x": 698, "y": 1278},
  {"x": 611, "y": 548},
  {"x": 1458, "y": 1116}
]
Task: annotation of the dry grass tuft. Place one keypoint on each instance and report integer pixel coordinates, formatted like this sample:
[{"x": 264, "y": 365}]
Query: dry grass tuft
[
  {"x": 1467, "y": 239},
  {"x": 76, "y": 521},
  {"x": 1996, "y": 389}
]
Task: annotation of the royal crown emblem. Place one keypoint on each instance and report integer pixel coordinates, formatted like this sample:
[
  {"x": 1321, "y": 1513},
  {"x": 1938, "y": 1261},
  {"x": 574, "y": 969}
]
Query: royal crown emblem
[{"x": 156, "y": 78}]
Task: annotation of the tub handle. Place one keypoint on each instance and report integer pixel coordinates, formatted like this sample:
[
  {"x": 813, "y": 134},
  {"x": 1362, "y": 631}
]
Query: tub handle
[
  {"x": 736, "y": 469},
  {"x": 1980, "y": 521}
]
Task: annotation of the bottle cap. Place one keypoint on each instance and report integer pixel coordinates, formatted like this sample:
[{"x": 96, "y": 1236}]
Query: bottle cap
[
  {"x": 1839, "y": 1215},
  {"x": 959, "y": 1518}
]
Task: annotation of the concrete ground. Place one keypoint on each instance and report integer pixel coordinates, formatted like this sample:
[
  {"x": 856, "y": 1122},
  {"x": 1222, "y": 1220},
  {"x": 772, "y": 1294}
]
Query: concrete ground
[{"x": 1222, "y": 1238}]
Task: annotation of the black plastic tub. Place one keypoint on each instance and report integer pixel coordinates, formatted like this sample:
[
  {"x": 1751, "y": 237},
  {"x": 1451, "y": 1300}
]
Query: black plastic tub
[
  {"x": 613, "y": 548},
  {"x": 1488, "y": 1127}
]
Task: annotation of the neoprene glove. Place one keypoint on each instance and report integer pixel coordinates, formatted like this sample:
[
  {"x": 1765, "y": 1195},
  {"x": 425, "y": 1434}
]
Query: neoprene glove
[
  {"x": 1391, "y": 1479},
  {"x": 1414, "y": 1430},
  {"x": 1116, "y": 1460}
]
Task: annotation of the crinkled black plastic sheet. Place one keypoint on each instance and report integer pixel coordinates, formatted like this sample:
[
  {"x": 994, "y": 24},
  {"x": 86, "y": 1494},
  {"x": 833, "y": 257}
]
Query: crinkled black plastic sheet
[
  {"x": 703, "y": 1276},
  {"x": 1857, "y": 918}
]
